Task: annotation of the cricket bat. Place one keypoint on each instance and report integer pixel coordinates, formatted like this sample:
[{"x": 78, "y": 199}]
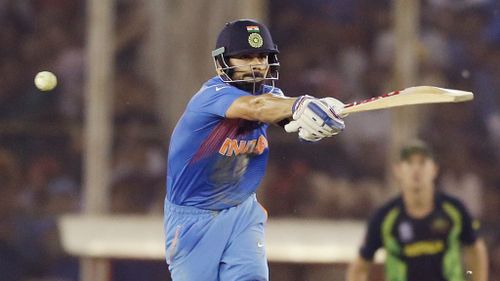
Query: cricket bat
[{"x": 408, "y": 96}]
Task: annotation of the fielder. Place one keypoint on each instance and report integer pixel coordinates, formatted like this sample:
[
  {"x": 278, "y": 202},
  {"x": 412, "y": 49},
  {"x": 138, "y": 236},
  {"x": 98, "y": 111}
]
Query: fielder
[
  {"x": 425, "y": 233},
  {"x": 218, "y": 153}
]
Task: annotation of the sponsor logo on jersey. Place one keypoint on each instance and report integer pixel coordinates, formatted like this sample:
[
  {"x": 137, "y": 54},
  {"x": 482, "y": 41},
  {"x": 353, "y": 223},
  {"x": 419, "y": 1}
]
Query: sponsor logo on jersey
[
  {"x": 421, "y": 248},
  {"x": 234, "y": 147}
]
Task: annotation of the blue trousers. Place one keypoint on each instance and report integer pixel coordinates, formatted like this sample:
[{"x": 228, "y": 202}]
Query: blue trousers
[{"x": 205, "y": 245}]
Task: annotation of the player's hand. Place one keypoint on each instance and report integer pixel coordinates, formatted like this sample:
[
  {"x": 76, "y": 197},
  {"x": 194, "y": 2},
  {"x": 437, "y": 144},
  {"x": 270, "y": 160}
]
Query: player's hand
[
  {"x": 318, "y": 117},
  {"x": 337, "y": 107},
  {"x": 315, "y": 119}
]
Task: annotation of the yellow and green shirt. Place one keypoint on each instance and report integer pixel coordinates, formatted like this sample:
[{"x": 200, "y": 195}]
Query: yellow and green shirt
[{"x": 421, "y": 249}]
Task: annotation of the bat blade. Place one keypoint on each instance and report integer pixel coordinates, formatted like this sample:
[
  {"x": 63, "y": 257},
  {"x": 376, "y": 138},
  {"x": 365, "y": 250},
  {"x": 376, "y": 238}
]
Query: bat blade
[{"x": 409, "y": 96}]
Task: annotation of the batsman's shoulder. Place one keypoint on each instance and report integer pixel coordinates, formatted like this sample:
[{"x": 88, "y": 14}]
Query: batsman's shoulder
[
  {"x": 217, "y": 88},
  {"x": 214, "y": 98},
  {"x": 210, "y": 90},
  {"x": 273, "y": 90}
]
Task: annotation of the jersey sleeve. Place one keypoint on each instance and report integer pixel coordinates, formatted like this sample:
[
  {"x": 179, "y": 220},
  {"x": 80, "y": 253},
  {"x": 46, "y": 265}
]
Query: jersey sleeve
[
  {"x": 373, "y": 240},
  {"x": 470, "y": 226},
  {"x": 216, "y": 100}
]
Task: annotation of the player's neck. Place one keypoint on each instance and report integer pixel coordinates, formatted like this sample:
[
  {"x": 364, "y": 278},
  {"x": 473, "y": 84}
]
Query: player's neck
[{"x": 419, "y": 205}]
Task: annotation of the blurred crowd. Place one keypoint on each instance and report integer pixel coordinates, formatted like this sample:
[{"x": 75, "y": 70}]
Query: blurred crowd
[
  {"x": 41, "y": 143},
  {"x": 346, "y": 49},
  {"x": 340, "y": 48}
]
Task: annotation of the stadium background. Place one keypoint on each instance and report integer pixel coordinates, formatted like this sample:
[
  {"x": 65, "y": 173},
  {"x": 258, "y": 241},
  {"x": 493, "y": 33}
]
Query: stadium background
[{"x": 160, "y": 55}]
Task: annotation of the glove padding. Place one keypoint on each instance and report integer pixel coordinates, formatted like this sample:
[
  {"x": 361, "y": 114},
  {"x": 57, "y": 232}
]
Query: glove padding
[{"x": 315, "y": 119}]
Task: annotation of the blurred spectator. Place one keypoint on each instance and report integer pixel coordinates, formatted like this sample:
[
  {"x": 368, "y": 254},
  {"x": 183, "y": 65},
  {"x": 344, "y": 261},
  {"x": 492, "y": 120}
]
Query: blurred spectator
[
  {"x": 11, "y": 263},
  {"x": 460, "y": 180}
]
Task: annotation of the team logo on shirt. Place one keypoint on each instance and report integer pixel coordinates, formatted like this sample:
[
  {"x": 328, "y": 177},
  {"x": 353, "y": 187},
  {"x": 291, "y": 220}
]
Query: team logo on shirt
[
  {"x": 234, "y": 147},
  {"x": 440, "y": 225},
  {"x": 405, "y": 231}
]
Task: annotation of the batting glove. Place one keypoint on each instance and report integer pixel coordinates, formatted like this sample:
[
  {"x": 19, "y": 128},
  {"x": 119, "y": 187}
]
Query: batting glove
[{"x": 315, "y": 119}]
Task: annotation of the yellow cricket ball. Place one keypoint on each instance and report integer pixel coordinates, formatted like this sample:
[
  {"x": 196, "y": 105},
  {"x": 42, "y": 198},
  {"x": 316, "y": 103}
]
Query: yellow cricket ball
[{"x": 45, "y": 81}]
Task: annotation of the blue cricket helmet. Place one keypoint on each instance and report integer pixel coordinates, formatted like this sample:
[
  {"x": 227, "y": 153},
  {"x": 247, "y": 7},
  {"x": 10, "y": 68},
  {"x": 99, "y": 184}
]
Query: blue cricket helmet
[{"x": 244, "y": 37}]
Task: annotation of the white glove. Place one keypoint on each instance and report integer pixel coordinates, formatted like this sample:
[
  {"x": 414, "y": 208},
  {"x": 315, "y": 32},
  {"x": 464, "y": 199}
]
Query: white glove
[
  {"x": 306, "y": 135},
  {"x": 337, "y": 105},
  {"x": 315, "y": 119}
]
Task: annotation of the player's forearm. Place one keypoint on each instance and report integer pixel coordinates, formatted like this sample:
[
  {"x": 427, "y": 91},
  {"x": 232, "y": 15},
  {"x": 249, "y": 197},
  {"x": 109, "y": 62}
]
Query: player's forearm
[
  {"x": 272, "y": 109},
  {"x": 476, "y": 260},
  {"x": 358, "y": 270},
  {"x": 264, "y": 108}
]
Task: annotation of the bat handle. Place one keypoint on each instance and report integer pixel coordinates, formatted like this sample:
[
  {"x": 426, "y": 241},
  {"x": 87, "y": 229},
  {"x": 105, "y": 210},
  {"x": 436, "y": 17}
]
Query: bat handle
[{"x": 343, "y": 113}]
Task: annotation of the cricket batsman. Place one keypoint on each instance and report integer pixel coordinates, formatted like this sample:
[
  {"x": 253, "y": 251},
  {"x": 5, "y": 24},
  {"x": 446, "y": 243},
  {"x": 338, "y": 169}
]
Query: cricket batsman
[{"x": 214, "y": 225}]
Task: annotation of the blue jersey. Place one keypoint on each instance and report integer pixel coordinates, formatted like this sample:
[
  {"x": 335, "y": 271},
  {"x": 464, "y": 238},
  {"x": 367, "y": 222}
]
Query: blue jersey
[{"x": 214, "y": 162}]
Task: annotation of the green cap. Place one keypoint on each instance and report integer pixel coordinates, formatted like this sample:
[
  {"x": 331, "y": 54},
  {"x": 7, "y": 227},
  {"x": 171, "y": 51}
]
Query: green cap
[{"x": 415, "y": 147}]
